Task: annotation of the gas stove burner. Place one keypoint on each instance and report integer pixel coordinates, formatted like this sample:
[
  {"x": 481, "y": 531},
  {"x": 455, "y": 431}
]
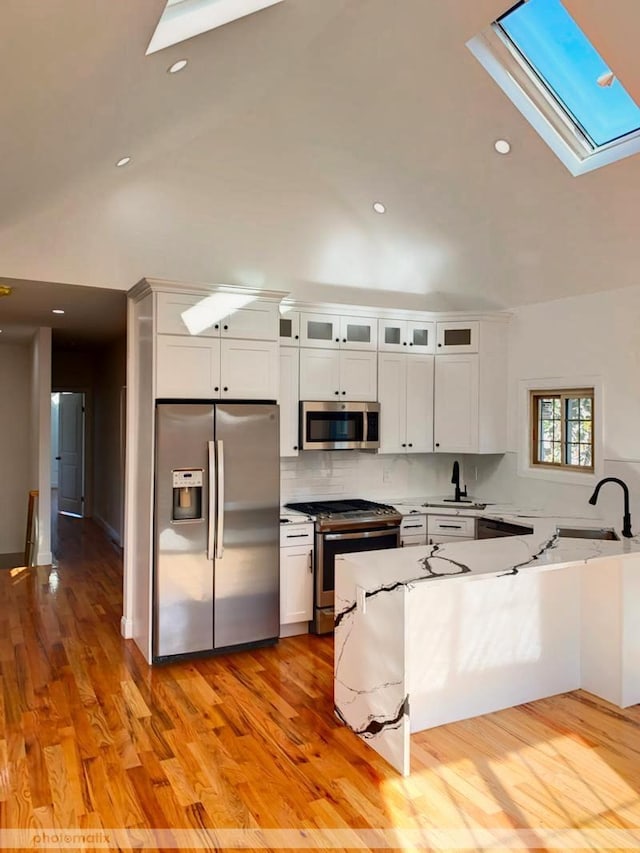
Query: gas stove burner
[{"x": 354, "y": 511}]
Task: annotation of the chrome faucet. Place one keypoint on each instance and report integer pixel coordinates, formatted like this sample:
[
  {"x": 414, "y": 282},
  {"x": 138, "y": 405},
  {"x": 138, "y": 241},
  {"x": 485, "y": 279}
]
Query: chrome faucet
[
  {"x": 626, "y": 522},
  {"x": 455, "y": 479}
]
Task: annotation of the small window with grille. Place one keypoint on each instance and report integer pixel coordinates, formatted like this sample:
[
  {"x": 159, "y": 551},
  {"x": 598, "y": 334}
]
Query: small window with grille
[{"x": 562, "y": 429}]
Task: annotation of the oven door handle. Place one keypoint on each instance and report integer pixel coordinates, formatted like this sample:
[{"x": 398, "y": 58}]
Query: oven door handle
[{"x": 364, "y": 534}]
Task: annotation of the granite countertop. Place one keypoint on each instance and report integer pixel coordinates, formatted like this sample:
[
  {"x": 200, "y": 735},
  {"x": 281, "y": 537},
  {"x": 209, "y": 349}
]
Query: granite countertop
[{"x": 474, "y": 559}]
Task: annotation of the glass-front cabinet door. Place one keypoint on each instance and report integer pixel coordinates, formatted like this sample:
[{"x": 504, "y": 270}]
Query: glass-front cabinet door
[
  {"x": 392, "y": 336},
  {"x": 289, "y": 328},
  {"x": 320, "y": 330},
  {"x": 458, "y": 337},
  {"x": 421, "y": 336},
  {"x": 358, "y": 333}
]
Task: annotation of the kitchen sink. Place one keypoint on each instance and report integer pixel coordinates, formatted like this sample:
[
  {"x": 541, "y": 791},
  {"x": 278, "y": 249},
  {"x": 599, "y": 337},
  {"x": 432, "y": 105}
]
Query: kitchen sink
[
  {"x": 456, "y": 504},
  {"x": 588, "y": 533}
]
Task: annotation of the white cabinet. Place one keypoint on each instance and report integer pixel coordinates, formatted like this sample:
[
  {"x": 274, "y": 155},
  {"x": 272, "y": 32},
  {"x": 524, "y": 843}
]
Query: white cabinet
[
  {"x": 289, "y": 328},
  {"x": 187, "y": 368},
  {"x": 216, "y": 315},
  {"x": 456, "y": 404},
  {"x": 347, "y": 374},
  {"x": 405, "y": 394},
  {"x": 333, "y": 331},
  {"x": 470, "y": 395},
  {"x": 296, "y": 578},
  {"x": 450, "y": 528},
  {"x": 458, "y": 337},
  {"x": 249, "y": 370},
  {"x": 413, "y": 530},
  {"x": 406, "y": 336},
  {"x": 289, "y": 400},
  {"x": 206, "y": 368},
  {"x": 257, "y": 321}
]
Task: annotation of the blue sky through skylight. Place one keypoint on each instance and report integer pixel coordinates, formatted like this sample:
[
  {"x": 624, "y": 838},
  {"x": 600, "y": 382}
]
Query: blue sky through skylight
[{"x": 552, "y": 42}]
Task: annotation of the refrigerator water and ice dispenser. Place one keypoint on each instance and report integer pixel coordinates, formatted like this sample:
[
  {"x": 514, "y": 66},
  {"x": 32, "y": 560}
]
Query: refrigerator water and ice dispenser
[{"x": 187, "y": 494}]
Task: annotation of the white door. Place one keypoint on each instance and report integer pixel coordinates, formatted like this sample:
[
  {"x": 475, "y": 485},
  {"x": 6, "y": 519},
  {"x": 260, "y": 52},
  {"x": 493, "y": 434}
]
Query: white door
[
  {"x": 456, "y": 404},
  {"x": 420, "y": 403},
  {"x": 71, "y": 470},
  {"x": 319, "y": 374},
  {"x": 289, "y": 400},
  {"x": 358, "y": 375},
  {"x": 392, "y": 396}
]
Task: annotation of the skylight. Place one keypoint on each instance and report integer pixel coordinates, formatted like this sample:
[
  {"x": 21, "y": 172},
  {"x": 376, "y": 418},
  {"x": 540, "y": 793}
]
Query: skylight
[
  {"x": 184, "y": 19},
  {"x": 544, "y": 62}
]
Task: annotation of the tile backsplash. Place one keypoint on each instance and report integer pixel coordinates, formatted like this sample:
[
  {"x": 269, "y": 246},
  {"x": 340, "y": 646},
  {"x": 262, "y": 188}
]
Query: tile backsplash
[{"x": 351, "y": 474}]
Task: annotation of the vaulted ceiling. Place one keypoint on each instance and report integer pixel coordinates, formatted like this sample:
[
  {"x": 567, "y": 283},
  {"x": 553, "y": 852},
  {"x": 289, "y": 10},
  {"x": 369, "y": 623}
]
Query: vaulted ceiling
[{"x": 259, "y": 163}]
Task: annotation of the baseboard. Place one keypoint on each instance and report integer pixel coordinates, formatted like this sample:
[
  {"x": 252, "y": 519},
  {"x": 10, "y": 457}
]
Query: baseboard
[
  {"x": 126, "y": 628},
  {"x": 294, "y": 629},
  {"x": 45, "y": 558},
  {"x": 108, "y": 529}
]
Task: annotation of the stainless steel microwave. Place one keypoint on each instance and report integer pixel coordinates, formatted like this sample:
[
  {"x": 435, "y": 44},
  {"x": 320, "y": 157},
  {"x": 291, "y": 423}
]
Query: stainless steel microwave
[{"x": 339, "y": 425}]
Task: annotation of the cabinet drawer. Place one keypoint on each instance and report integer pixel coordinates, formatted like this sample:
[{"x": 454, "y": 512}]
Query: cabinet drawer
[
  {"x": 451, "y": 525},
  {"x": 296, "y": 534},
  {"x": 413, "y": 525},
  {"x": 442, "y": 540}
]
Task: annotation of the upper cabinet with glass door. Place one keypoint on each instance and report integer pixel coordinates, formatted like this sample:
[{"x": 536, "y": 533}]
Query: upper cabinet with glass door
[
  {"x": 406, "y": 336},
  {"x": 331, "y": 331},
  {"x": 289, "y": 328},
  {"x": 459, "y": 336}
]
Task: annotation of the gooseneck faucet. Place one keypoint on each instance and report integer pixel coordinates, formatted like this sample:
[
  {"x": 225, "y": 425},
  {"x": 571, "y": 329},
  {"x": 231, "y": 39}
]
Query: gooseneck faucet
[
  {"x": 626, "y": 522},
  {"x": 455, "y": 479}
]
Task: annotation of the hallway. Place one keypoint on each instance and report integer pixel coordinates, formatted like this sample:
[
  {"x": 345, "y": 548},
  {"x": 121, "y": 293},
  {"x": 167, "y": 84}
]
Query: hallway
[{"x": 93, "y": 738}]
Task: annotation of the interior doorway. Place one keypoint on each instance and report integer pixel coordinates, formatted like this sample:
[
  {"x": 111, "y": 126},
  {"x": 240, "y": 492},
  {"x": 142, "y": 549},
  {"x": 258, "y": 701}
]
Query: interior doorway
[{"x": 68, "y": 453}]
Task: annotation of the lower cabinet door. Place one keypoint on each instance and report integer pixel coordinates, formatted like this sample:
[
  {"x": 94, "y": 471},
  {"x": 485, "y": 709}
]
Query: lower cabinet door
[
  {"x": 415, "y": 539},
  {"x": 296, "y": 584}
]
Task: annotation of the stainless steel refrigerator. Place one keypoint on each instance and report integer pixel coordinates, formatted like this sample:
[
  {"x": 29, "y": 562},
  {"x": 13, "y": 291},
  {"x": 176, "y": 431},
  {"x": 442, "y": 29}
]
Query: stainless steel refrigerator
[{"x": 216, "y": 527}]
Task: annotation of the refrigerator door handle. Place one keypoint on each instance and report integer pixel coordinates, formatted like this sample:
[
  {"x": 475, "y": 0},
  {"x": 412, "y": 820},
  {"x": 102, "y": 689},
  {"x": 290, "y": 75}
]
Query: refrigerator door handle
[
  {"x": 212, "y": 501},
  {"x": 220, "y": 500}
]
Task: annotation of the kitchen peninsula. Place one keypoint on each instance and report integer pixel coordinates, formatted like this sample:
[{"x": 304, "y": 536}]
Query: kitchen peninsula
[{"x": 432, "y": 634}]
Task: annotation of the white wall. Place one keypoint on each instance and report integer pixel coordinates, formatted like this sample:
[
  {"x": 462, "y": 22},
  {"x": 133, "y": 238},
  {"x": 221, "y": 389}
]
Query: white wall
[
  {"x": 596, "y": 335},
  {"x": 15, "y": 397},
  {"x": 40, "y": 421},
  {"x": 351, "y": 474}
]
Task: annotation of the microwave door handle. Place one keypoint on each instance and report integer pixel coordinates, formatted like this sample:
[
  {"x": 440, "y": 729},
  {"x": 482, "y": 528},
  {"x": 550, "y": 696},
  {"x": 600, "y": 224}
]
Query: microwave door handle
[
  {"x": 365, "y": 427},
  {"x": 220, "y": 500},
  {"x": 212, "y": 500}
]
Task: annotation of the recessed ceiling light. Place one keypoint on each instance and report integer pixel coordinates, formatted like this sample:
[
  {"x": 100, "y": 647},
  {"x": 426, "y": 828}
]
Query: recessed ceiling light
[
  {"x": 177, "y": 66},
  {"x": 379, "y": 207},
  {"x": 123, "y": 161},
  {"x": 502, "y": 146},
  {"x": 58, "y": 311}
]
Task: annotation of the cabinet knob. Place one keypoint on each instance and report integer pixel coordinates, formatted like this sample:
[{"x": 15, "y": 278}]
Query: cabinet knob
[
  {"x": 344, "y": 340},
  {"x": 405, "y": 343},
  {"x": 404, "y": 445},
  {"x": 344, "y": 392},
  {"x": 439, "y": 345},
  {"x": 336, "y": 392},
  {"x": 411, "y": 344},
  {"x": 295, "y": 446},
  {"x": 217, "y": 326},
  {"x": 437, "y": 444},
  {"x": 225, "y": 388},
  {"x": 216, "y": 388},
  {"x": 337, "y": 340},
  {"x": 410, "y": 445},
  {"x": 296, "y": 336},
  {"x": 225, "y": 327}
]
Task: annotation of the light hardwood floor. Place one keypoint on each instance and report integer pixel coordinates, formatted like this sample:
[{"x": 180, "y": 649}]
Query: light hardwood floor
[{"x": 91, "y": 737}]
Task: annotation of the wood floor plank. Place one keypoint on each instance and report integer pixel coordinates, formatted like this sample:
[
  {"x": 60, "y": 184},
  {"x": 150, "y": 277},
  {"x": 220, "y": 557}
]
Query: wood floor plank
[{"x": 93, "y": 737}]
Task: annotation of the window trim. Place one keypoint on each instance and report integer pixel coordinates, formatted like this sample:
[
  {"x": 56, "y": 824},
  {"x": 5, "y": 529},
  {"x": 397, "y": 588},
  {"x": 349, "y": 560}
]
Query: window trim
[
  {"x": 522, "y": 413},
  {"x": 564, "y": 394},
  {"x": 500, "y": 59}
]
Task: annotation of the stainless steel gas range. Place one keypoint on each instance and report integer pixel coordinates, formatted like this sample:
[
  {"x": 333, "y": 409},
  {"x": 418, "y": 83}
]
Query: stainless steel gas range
[{"x": 342, "y": 527}]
